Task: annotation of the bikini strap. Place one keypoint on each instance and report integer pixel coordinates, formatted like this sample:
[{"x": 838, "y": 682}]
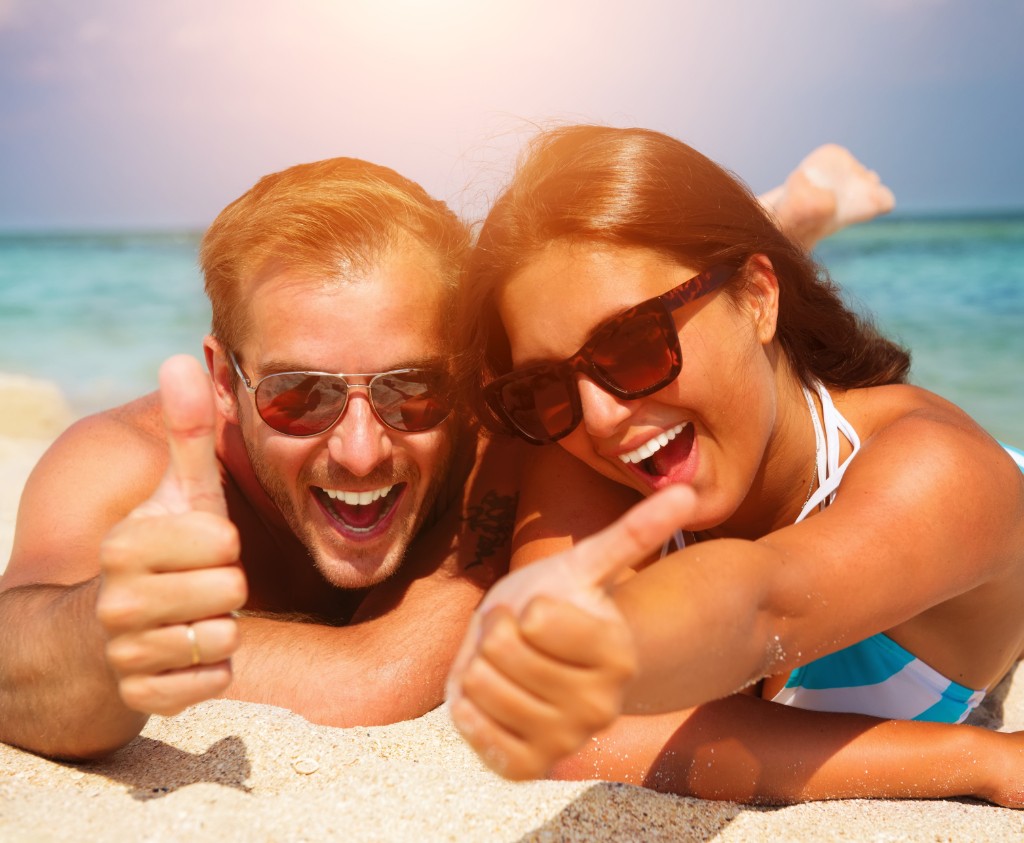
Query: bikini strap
[
  {"x": 677, "y": 541},
  {"x": 830, "y": 472},
  {"x": 826, "y": 434}
]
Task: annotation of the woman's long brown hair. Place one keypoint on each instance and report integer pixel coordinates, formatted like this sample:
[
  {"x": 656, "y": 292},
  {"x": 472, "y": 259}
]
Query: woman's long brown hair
[{"x": 636, "y": 187}]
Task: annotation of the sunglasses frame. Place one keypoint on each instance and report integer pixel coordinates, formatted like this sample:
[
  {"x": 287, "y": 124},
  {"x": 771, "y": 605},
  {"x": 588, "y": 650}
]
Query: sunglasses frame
[
  {"x": 661, "y": 306},
  {"x": 344, "y": 378}
]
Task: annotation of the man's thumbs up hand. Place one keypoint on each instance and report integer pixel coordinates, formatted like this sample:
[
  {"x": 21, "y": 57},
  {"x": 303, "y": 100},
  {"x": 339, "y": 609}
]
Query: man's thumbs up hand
[{"x": 170, "y": 576}]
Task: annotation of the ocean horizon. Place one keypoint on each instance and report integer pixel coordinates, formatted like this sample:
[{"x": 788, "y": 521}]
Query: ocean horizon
[{"x": 96, "y": 312}]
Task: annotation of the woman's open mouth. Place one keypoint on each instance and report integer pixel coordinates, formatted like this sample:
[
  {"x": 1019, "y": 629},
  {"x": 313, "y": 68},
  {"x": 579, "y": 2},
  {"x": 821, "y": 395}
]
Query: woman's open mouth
[
  {"x": 660, "y": 453},
  {"x": 658, "y": 456}
]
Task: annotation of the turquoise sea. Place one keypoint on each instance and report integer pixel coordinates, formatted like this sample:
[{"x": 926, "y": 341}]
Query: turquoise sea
[{"x": 97, "y": 313}]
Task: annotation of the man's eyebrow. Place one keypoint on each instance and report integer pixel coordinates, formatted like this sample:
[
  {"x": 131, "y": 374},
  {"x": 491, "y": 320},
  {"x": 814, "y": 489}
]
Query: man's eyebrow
[
  {"x": 420, "y": 363},
  {"x": 281, "y": 365}
]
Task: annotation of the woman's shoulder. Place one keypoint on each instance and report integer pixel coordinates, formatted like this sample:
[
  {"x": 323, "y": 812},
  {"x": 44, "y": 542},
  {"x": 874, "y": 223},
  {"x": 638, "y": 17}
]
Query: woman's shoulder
[
  {"x": 920, "y": 425},
  {"x": 878, "y": 410},
  {"x": 926, "y": 469}
]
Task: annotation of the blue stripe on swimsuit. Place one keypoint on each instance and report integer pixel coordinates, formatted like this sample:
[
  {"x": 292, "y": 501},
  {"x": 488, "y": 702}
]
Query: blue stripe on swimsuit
[{"x": 878, "y": 677}]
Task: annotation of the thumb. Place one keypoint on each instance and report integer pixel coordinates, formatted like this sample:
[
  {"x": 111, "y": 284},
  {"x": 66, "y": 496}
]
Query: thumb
[
  {"x": 599, "y": 559},
  {"x": 190, "y": 416},
  {"x": 593, "y": 564}
]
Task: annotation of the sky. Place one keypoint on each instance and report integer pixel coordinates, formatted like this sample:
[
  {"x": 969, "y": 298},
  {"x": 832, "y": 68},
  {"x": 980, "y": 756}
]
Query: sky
[{"x": 148, "y": 115}]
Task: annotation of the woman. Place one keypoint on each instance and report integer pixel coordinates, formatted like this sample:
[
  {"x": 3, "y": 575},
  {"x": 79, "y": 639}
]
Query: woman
[{"x": 849, "y": 543}]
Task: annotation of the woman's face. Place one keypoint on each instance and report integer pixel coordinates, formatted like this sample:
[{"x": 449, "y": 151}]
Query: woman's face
[{"x": 711, "y": 427}]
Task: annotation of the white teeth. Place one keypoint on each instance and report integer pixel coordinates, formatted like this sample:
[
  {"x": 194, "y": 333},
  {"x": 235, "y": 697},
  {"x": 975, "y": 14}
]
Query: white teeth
[
  {"x": 358, "y": 498},
  {"x": 653, "y": 445}
]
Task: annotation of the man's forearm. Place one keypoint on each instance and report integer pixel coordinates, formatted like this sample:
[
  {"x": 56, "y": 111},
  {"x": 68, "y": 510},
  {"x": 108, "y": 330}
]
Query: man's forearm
[
  {"x": 381, "y": 671},
  {"x": 58, "y": 696}
]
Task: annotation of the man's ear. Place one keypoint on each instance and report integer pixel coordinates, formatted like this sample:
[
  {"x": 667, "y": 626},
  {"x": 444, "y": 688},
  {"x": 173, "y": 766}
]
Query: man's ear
[
  {"x": 761, "y": 294},
  {"x": 223, "y": 375}
]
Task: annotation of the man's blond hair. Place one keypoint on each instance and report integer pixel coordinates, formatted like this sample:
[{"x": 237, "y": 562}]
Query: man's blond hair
[{"x": 319, "y": 219}]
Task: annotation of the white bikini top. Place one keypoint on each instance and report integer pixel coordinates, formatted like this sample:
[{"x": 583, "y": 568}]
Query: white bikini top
[{"x": 826, "y": 446}]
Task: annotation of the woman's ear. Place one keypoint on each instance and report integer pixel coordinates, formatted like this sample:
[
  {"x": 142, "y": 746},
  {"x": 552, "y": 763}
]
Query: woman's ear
[
  {"x": 223, "y": 375},
  {"x": 761, "y": 294}
]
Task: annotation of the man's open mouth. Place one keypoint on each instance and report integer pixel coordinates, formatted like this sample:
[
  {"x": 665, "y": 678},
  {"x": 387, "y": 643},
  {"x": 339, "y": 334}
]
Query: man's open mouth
[{"x": 359, "y": 511}]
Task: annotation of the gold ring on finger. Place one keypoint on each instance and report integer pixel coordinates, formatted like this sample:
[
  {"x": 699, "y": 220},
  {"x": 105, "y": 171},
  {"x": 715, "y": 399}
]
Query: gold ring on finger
[{"x": 193, "y": 642}]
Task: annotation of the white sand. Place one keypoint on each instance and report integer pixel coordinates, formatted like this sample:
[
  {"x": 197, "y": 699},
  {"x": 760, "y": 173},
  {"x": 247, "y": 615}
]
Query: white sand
[
  {"x": 32, "y": 413},
  {"x": 31, "y": 408},
  {"x": 226, "y": 771}
]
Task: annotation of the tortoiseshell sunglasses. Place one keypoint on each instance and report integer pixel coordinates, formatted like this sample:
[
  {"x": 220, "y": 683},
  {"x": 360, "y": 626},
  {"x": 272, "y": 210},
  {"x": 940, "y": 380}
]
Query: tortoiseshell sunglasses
[{"x": 631, "y": 355}]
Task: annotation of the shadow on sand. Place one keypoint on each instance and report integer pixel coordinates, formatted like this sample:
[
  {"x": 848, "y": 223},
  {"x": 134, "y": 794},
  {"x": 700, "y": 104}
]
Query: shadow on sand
[{"x": 151, "y": 769}]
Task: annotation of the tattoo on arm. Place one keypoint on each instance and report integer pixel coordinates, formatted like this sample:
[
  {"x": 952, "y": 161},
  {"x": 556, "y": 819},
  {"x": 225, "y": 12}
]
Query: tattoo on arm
[{"x": 492, "y": 520}]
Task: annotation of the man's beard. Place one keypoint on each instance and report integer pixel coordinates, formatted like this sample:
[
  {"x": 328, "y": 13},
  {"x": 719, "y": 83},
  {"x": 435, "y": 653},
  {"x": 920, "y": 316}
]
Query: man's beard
[{"x": 402, "y": 534}]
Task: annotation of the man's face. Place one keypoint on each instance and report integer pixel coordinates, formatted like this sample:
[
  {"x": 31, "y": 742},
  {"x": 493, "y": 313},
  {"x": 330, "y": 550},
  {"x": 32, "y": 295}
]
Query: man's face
[{"x": 388, "y": 317}]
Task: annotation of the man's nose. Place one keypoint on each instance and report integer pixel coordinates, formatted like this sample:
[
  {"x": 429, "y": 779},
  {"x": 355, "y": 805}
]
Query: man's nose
[
  {"x": 360, "y": 441},
  {"x": 603, "y": 413}
]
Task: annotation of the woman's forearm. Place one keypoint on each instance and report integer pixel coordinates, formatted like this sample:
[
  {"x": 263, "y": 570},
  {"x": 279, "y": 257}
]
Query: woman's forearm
[{"x": 745, "y": 749}]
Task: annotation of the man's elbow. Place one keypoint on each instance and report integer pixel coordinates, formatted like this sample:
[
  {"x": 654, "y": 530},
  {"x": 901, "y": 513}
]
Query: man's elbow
[
  {"x": 395, "y": 705},
  {"x": 80, "y": 747}
]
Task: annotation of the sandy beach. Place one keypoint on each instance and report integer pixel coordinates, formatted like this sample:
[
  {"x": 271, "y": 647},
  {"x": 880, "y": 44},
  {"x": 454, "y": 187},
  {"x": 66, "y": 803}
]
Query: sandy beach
[{"x": 226, "y": 771}]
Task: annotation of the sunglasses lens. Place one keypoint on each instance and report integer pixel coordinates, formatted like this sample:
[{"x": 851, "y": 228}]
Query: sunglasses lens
[
  {"x": 541, "y": 405},
  {"x": 632, "y": 356},
  {"x": 637, "y": 355},
  {"x": 300, "y": 404},
  {"x": 411, "y": 401}
]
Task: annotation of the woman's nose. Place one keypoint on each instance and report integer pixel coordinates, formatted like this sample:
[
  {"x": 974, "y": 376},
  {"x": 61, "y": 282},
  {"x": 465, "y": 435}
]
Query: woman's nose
[{"x": 603, "y": 413}]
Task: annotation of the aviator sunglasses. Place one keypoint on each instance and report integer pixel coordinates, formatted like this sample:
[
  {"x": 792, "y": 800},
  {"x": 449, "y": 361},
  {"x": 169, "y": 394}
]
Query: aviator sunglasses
[
  {"x": 308, "y": 403},
  {"x": 631, "y": 355}
]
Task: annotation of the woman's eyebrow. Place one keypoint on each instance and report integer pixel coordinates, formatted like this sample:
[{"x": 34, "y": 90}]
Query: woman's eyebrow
[{"x": 540, "y": 359}]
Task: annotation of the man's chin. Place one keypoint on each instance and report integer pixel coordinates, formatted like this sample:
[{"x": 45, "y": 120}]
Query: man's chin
[
  {"x": 355, "y": 558},
  {"x": 359, "y": 571}
]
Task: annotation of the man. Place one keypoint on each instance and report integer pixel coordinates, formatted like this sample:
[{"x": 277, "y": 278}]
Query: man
[
  {"x": 356, "y": 520},
  {"x": 139, "y": 536}
]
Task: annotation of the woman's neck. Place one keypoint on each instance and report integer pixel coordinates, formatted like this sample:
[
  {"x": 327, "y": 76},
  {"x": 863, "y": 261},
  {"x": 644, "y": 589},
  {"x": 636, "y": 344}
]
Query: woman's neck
[{"x": 787, "y": 474}]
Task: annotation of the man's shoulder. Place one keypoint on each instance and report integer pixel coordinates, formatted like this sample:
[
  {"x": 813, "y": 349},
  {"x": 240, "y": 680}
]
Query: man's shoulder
[
  {"x": 92, "y": 476},
  {"x": 140, "y": 417},
  {"x": 131, "y": 425},
  {"x": 132, "y": 432}
]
